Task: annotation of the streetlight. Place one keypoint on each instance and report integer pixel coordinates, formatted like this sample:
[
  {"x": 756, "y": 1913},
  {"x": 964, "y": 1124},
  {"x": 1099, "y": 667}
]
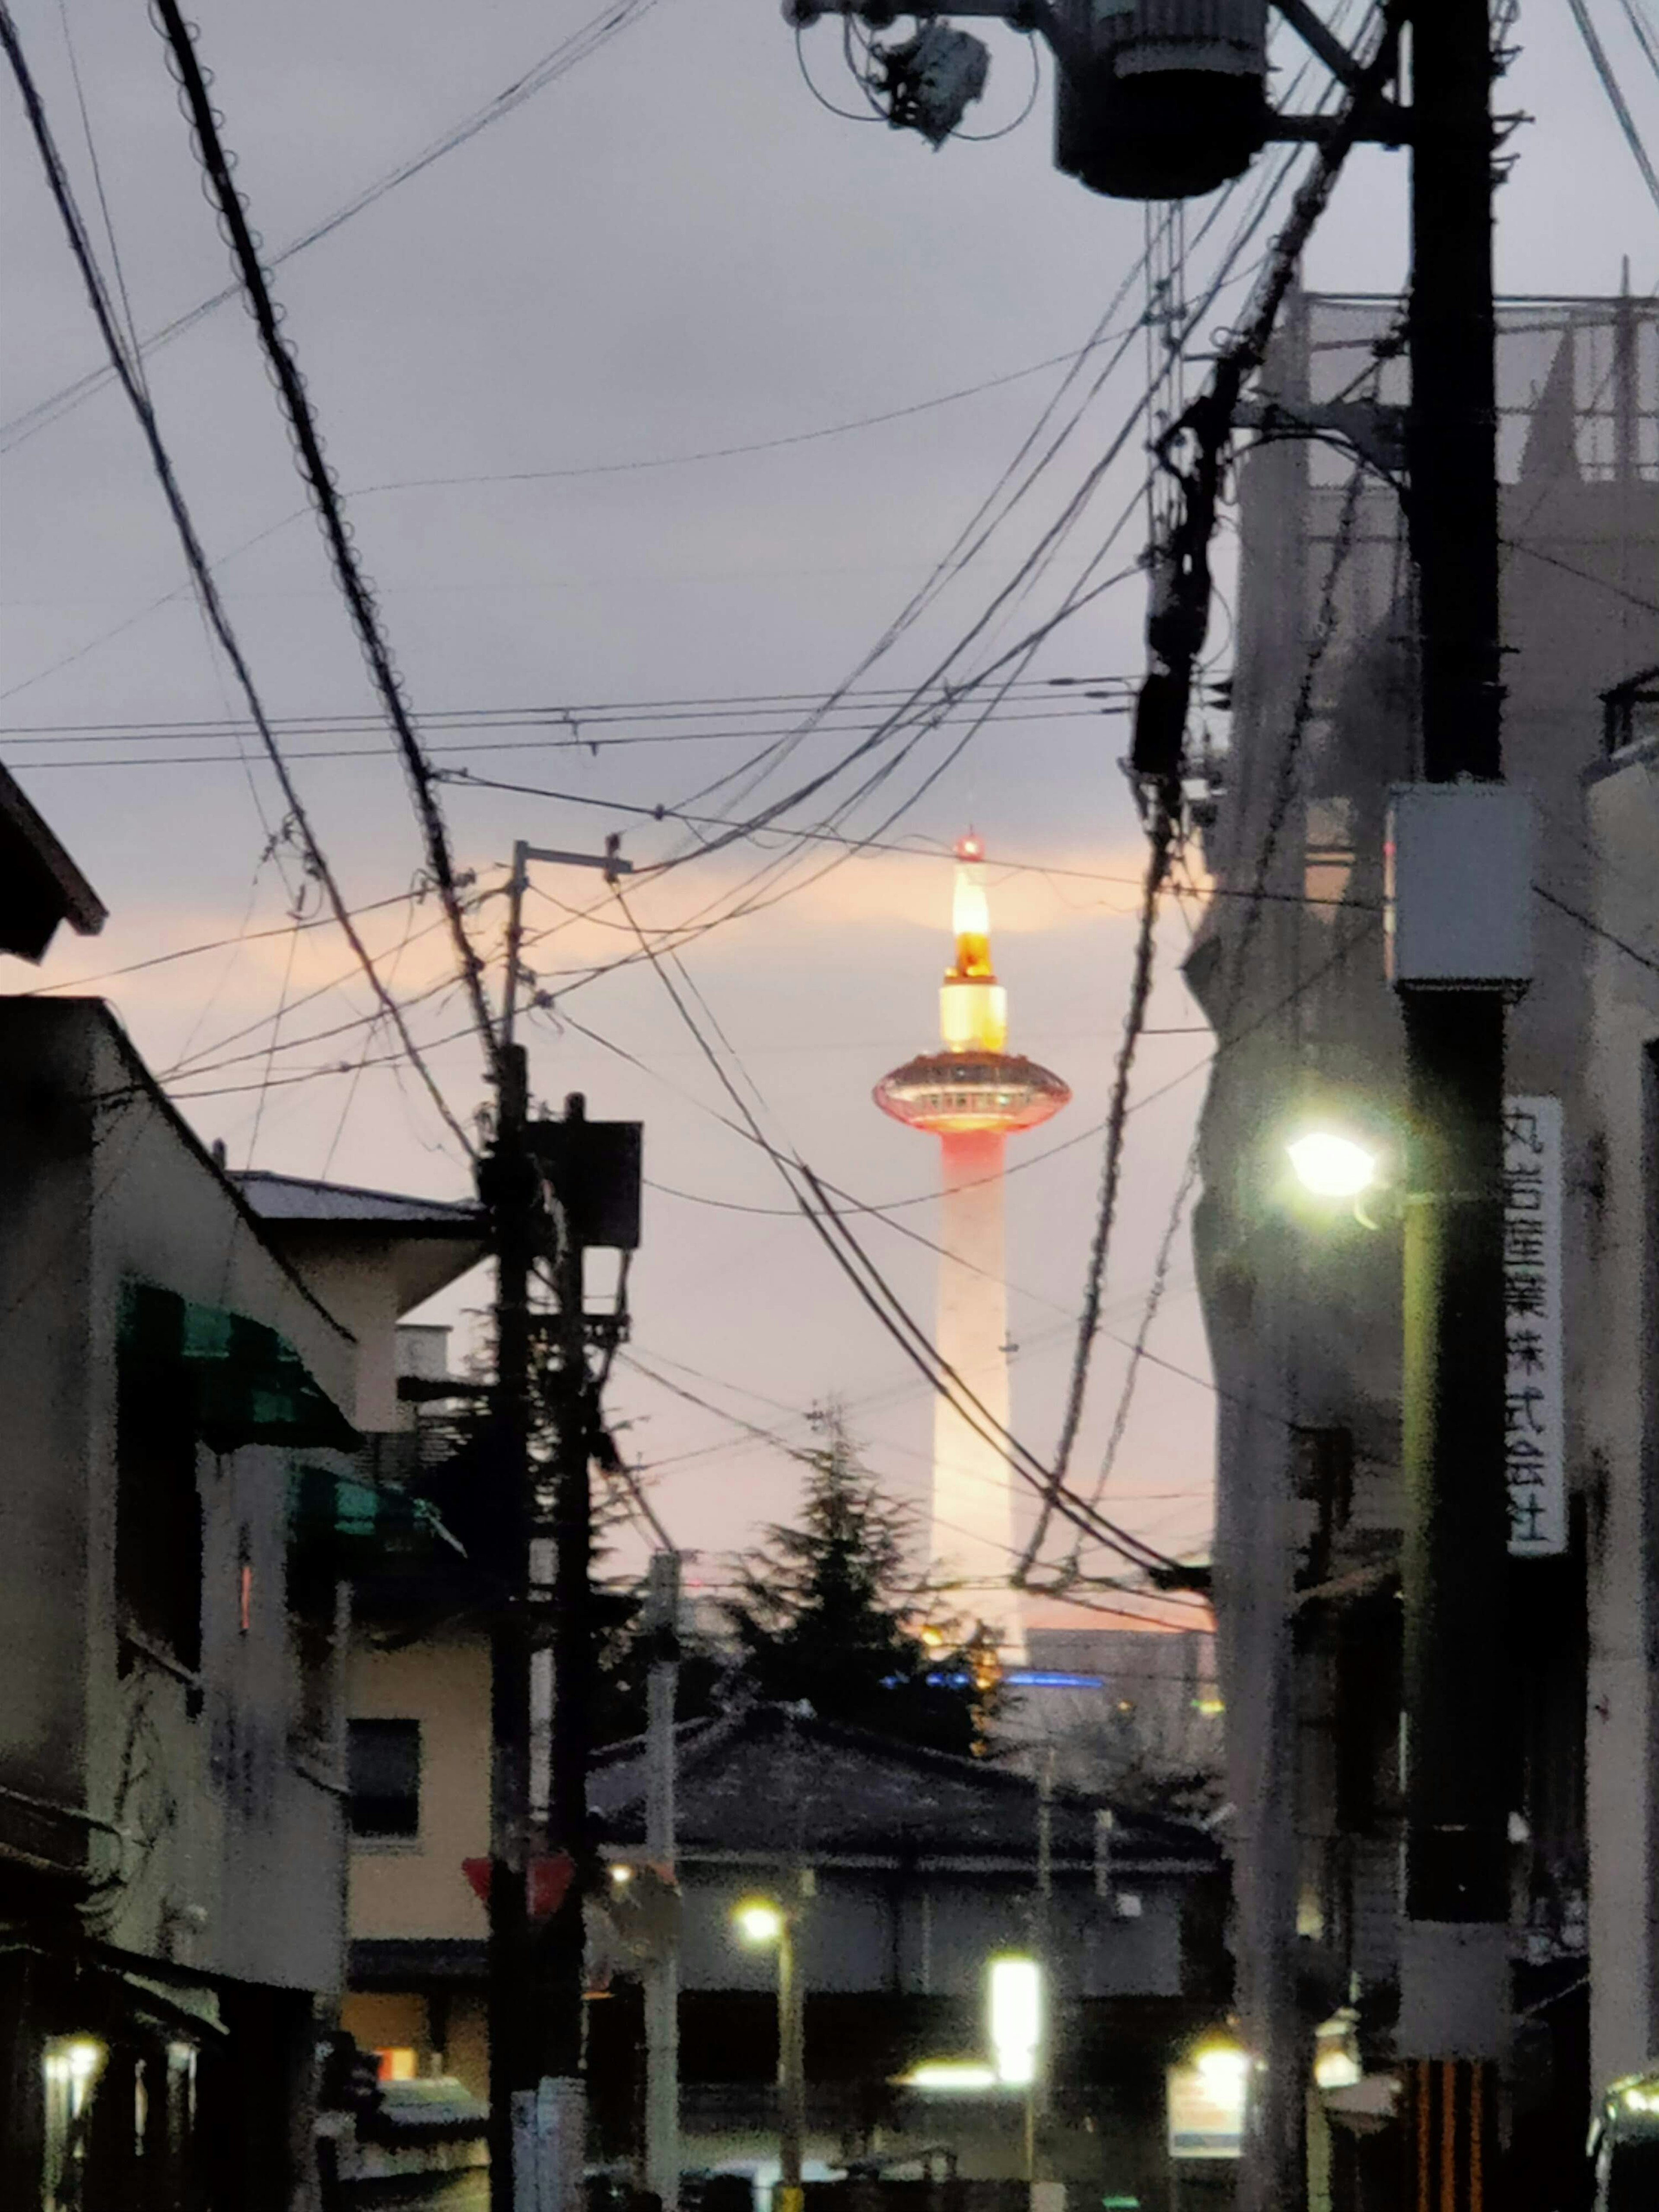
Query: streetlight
[
  {"x": 1015, "y": 2020},
  {"x": 1331, "y": 1165},
  {"x": 764, "y": 1924}
]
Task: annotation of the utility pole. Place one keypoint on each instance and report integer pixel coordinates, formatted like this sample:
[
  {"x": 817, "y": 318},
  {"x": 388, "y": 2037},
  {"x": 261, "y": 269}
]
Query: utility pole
[
  {"x": 662, "y": 1972},
  {"x": 508, "y": 1183},
  {"x": 535, "y": 1970},
  {"x": 1455, "y": 1967},
  {"x": 792, "y": 2056}
]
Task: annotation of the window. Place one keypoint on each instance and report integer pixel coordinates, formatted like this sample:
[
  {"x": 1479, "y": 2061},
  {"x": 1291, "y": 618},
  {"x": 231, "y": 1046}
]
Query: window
[
  {"x": 384, "y": 1776},
  {"x": 158, "y": 1510}
]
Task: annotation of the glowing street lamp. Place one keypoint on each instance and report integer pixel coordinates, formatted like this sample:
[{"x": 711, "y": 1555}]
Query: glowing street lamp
[
  {"x": 1332, "y": 1165},
  {"x": 763, "y": 1924},
  {"x": 1015, "y": 2007},
  {"x": 759, "y": 1922}
]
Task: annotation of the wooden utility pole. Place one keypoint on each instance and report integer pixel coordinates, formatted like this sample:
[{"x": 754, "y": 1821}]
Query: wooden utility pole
[{"x": 1455, "y": 1966}]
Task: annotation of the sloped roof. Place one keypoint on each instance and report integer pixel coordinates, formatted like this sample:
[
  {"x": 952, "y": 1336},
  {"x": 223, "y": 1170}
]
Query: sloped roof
[
  {"x": 766, "y": 1780},
  {"x": 299, "y": 1198},
  {"x": 39, "y": 885},
  {"x": 433, "y": 1240}
]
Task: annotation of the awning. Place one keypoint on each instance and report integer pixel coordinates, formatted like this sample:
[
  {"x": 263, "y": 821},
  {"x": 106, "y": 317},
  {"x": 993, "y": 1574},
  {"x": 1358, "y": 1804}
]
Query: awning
[
  {"x": 251, "y": 1386},
  {"x": 351, "y": 1512}
]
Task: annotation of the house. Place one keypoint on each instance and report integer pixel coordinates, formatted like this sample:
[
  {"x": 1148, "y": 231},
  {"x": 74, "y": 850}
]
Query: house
[
  {"x": 909, "y": 1870},
  {"x": 187, "y": 1425},
  {"x": 1301, "y": 1303},
  {"x": 922, "y": 1866}
]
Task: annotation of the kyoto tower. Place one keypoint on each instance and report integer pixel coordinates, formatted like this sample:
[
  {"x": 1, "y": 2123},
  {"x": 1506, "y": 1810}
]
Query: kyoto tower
[{"x": 971, "y": 1096}]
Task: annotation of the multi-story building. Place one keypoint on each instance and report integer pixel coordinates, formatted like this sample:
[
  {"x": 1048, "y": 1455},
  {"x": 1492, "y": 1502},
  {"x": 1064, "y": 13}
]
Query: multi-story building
[
  {"x": 1302, "y": 1304},
  {"x": 193, "y": 1367},
  {"x": 1621, "y": 1321}
]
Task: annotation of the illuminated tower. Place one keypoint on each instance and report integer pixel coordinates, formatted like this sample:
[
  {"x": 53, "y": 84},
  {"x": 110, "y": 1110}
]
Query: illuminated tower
[{"x": 971, "y": 1096}]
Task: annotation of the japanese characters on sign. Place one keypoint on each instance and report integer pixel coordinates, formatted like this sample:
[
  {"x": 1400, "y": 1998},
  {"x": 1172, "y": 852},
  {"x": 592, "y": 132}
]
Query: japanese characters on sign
[{"x": 1533, "y": 1459}]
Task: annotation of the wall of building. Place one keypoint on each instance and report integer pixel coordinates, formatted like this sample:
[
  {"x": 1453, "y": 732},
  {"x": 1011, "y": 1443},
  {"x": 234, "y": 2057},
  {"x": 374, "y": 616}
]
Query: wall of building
[
  {"x": 217, "y": 1849},
  {"x": 1621, "y": 1403},
  {"x": 350, "y": 1275},
  {"x": 417, "y": 1888},
  {"x": 1302, "y": 1306}
]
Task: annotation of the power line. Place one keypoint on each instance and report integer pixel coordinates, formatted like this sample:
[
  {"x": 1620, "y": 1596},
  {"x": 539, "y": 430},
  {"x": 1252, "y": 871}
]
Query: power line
[
  {"x": 803, "y": 1457},
  {"x": 320, "y": 481},
  {"x": 1587, "y": 921},
  {"x": 1643, "y": 32},
  {"x": 216, "y": 944},
  {"x": 1616, "y": 100},
  {"x": 1140, "y": 990},
  {"x": 577, "y": 719},
  {"x": 201, "y": 574},
  {"x": 563, "y": 57},
  {"x": 877, "y": 1294}
]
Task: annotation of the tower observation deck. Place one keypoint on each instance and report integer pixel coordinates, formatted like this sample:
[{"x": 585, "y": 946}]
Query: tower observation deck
[{"x": 973, "y": 1094}]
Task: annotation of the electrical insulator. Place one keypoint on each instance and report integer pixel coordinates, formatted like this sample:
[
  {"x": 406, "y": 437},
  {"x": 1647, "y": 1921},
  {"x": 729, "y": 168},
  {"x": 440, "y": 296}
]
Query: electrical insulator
[{"x": 1166, "y": 99}]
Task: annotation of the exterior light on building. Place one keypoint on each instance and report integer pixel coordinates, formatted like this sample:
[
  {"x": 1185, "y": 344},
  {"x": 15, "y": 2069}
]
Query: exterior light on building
[
  {"x": 1335, "y": 2070},
  {"x": 621, "y": 1875},
  {"x": 1015, "y": 2007},
  {"x": 951, "y": 2077},
  {"x": 1332, "y": 1165},
  {"x": 758, "y": 1921},
  {"x": 1336, "y": 2052},
  {"x": 1223, "y": 2070}
]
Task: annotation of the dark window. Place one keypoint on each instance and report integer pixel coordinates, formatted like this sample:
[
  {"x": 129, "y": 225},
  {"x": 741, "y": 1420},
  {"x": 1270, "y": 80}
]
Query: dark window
[
  {"x": 384, "y": 1771},
  {"x": 158, "y": 1510}
]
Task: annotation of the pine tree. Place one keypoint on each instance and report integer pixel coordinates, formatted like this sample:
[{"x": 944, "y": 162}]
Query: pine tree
[{"x": 829, "y": 1614}]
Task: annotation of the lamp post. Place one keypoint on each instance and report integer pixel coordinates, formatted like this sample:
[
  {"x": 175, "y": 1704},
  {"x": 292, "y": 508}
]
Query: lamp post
[{"x": 764, "y": 1924}]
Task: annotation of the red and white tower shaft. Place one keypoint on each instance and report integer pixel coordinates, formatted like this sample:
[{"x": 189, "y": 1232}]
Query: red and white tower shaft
[{"x": 973, "y": 1094}]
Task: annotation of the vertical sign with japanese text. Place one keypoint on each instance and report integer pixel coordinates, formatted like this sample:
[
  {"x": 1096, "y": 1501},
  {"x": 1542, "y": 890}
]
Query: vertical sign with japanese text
[{"x": 1534, "y": 1461}]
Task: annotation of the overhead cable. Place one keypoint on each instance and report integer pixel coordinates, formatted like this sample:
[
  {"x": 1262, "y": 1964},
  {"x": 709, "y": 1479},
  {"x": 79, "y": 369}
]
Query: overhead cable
[
  {"x": 80, "y": 244},
  {"x": 320, "y": 481},
  {"x": 563, "y": 57},
  {"x": 1616, "y": 100}
]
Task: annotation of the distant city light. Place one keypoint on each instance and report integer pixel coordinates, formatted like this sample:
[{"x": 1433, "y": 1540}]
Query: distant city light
[
  {"x": 1331, "y": 1165},
  {"x": 1016, "y": 2018},
  {"x": 1051, "y": 1677}
]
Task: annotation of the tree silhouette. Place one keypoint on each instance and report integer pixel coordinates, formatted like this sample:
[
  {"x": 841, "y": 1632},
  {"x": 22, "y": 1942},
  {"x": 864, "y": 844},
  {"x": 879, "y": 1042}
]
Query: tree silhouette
[{"x": 831, "y": 1613}]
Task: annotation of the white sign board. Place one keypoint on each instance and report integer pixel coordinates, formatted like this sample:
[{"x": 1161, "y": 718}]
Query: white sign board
[
  {"x": 1534, "y": 1461},
  {"x": 1205, "y": 2109}
]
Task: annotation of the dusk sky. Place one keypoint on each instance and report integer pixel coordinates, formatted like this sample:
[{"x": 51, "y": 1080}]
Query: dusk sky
[{"x": 516, "y": 358}]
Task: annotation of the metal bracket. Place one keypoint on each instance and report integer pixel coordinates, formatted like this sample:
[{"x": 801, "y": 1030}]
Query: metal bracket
[{"x": 1368, "y": 428}]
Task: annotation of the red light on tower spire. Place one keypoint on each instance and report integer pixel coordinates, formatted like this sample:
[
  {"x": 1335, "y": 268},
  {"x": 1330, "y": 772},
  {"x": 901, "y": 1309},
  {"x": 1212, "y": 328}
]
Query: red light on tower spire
[{"x": 972, "y": 1096}]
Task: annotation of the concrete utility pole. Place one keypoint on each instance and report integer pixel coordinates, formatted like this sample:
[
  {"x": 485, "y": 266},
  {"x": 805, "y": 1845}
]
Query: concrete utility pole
[
  {"x": 1455, "y": 1965},
  {"x": 662, "y": 1972},
  {"x": 792, "y": 2059},
  {"x": 535, "y": 1969}
]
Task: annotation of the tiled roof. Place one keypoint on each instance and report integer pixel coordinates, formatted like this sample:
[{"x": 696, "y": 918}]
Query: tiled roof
[{"x": 766, "y": 1779}]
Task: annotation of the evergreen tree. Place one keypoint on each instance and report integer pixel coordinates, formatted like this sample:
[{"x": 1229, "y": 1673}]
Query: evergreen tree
[{"x": 827, "y": 1609}]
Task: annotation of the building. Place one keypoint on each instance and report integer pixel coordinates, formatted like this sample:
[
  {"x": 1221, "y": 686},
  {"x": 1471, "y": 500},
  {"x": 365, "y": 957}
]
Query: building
[
  {"x": 1135, "y": 1712},
  {"x": 1622, "y": 1392},
  {"x": 1302, "y": 1302},
  {"x": 188, "y": 1452},
  {"x": 972, "y": 1097},
  {"x": 921, "y": 1865}
]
